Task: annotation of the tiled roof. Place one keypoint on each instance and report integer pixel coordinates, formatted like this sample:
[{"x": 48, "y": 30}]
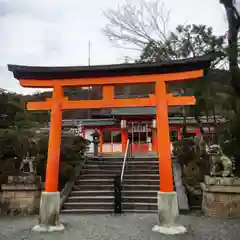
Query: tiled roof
[
  {"x": 137, "y": 111},
  {"x": 140, "y": 111},
  {"x": 89, "y": 122},
  {"x": 51, "y": 73},
  {"x": 112, "y": 122},
  {"x": 192, "y": 120}
]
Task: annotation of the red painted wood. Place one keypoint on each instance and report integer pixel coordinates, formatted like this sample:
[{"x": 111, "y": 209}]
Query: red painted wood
[
  {"x": 124, "y": 140},
  {"x": 140, "y": 148},
  {"x": 144, "y": 147}
]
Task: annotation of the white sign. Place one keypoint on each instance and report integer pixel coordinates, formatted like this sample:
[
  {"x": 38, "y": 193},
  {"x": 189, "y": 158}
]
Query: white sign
[{"x": 140, "y": 128}]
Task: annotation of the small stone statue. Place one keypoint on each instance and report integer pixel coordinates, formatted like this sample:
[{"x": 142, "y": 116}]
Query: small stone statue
[
  {"x": 221, "y": 165},
  {"x": 30, "y": 162}
]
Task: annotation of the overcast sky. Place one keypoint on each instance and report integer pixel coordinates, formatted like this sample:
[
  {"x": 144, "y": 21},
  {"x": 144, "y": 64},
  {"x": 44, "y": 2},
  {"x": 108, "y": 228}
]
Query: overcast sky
[{"x": 56, "y": 32}]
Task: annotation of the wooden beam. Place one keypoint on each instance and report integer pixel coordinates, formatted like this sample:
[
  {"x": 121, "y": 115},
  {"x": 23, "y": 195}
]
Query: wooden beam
[
  {"x": 166, "y": 77},
  {"x": 181, "y": 101},
  {"x": 176, "y": 101},
  {"x": 108, "y": 103},
  {"x": 47, "y": 105},
  {"x": 108, "y": 92},
  {"x": 116, "y": 103},
  {"x": 64, "y": 99}
]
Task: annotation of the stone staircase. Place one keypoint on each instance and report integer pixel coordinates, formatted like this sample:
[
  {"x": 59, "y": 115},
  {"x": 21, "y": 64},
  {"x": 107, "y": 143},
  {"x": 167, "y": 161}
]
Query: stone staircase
[
  {"x": 93, "y": 192},
  {"x": 141, "y": 184}
]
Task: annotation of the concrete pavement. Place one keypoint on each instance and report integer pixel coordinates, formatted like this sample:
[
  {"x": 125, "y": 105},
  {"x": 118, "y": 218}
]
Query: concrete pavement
[{"x": 124, "y": 227}]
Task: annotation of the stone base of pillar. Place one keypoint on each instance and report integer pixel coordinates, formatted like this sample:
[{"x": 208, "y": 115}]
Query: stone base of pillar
[
  {"x": 49, "y": 213},
  {"x": 168, "y": 213}
]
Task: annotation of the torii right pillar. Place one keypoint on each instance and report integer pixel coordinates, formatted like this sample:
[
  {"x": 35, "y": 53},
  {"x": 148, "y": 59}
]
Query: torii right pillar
[{"x": 168, "y": 210}]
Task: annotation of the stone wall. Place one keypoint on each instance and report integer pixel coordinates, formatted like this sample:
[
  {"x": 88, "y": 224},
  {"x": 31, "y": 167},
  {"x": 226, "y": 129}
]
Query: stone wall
[
  {"x": 221, "y": 197},
  {"x": 20, "y": 197}
]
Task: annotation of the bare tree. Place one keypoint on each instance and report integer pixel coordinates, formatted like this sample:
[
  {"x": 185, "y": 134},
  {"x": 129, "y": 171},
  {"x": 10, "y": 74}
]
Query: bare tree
[{"x": 133, "y": 27}]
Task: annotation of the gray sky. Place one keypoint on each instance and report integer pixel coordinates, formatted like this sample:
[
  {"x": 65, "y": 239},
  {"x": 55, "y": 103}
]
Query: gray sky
[{"x": 56, "y": 32}]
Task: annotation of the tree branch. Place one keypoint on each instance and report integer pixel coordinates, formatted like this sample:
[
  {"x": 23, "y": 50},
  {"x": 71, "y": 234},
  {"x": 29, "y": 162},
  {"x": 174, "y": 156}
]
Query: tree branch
[{"x": 137, "y": 25}]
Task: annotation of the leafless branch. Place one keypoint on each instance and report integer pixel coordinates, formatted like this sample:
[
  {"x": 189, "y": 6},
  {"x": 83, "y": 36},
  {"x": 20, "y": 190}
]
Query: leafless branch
[{"x": 137, "y": 25}]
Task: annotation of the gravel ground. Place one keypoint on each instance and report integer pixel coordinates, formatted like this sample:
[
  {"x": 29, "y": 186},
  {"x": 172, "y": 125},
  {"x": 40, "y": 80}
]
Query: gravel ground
[{"x": 125, "y": 227}]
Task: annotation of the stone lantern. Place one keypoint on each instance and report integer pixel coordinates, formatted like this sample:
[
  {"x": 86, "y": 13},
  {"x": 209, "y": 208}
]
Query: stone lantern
[{"x": 95, "y": 141}]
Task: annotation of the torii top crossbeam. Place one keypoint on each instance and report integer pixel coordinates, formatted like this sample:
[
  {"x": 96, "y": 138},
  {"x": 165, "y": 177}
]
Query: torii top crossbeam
[
  {"x": 108, "y": 77},
  {"x": 92, "y": 75}
]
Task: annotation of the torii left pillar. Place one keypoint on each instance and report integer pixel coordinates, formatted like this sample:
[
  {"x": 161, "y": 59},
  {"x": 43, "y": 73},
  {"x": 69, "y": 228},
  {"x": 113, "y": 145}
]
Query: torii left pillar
[{"x": 50, "y": 199}]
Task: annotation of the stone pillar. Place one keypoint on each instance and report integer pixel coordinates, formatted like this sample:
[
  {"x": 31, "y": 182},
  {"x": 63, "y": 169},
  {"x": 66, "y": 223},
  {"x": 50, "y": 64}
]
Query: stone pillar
[
  {"x": 168, "y": 213},
  {"x": 49, "y": 213},
  {"x": 21, "y": 195},
  {"x": 221, "y": 196}
]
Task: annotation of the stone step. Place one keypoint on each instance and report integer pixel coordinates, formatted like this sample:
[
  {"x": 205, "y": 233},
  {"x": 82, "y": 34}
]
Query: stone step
[
  {"x": 139, "y": 206},
  {"x": 134, "y": 162},
  {"x": 93, "y": 187},
  {"x": 115, "y": 171},
  {"x": 112, "y": 175},
  {"x": 119, "y": 168},
  {"x": 86, "y": 193},
  {"x": 110, "y": 205},
  {"x": 141, "y": 181},
  {"x": 95, "y": 181},
  {"x": 141, "y": 187},
  {"x": 141, "y": 176},
  {"x": 125, "y": 193},
  {"x": 120, "y": 159},
  {"x": 120, "y": 163},
  {"x": 140, "y": 199},
  {"x": 100, "y": 198},
  {"x": 100, "y": 171},
  {"x": 139, "y": 211},
  {"x": 97, "y": 176},
  {"x": 88, "y": 211},
  {"x": 135, "y": 193},
  {"x": 145, "y": 171},
  {"x": 106, "y": 181},
  {"x": 128, "y": 170},
  {"x": 89, "y": 205},
  {"x": 91, "y": 199}
]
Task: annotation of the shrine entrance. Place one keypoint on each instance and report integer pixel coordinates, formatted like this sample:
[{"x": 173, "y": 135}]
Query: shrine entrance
[
  {"x": 159, "y": 74},
  {"x": 140, "y": 133},
  {"x": 108, "y": 77}
]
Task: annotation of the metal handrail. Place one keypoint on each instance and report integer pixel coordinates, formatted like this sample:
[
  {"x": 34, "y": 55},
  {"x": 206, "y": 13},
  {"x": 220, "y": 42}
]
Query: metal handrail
[
  {"x": 118, "y": 180},
  {"x": 126, "y": 155}
]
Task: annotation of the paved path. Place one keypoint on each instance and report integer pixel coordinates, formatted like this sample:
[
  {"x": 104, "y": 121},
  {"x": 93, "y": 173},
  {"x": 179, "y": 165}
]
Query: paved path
[{"x": 125, "y": 227}]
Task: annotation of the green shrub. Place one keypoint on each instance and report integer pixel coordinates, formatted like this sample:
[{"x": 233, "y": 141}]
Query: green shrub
[
  {"x": 72, "y": 151},
  {"x": 15, "y": 144}
]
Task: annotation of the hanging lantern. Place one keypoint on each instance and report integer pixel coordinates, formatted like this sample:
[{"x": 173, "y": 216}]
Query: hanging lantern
[
  {"x": 154, "y": 123},
  {"x": 123, "y": 124}
]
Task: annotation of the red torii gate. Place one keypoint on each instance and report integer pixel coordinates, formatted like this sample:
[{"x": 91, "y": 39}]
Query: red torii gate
[{"x": 108, "y": 77}]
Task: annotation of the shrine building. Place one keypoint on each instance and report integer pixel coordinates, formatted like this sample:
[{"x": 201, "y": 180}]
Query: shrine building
[{"x": 139, "y": 124}]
